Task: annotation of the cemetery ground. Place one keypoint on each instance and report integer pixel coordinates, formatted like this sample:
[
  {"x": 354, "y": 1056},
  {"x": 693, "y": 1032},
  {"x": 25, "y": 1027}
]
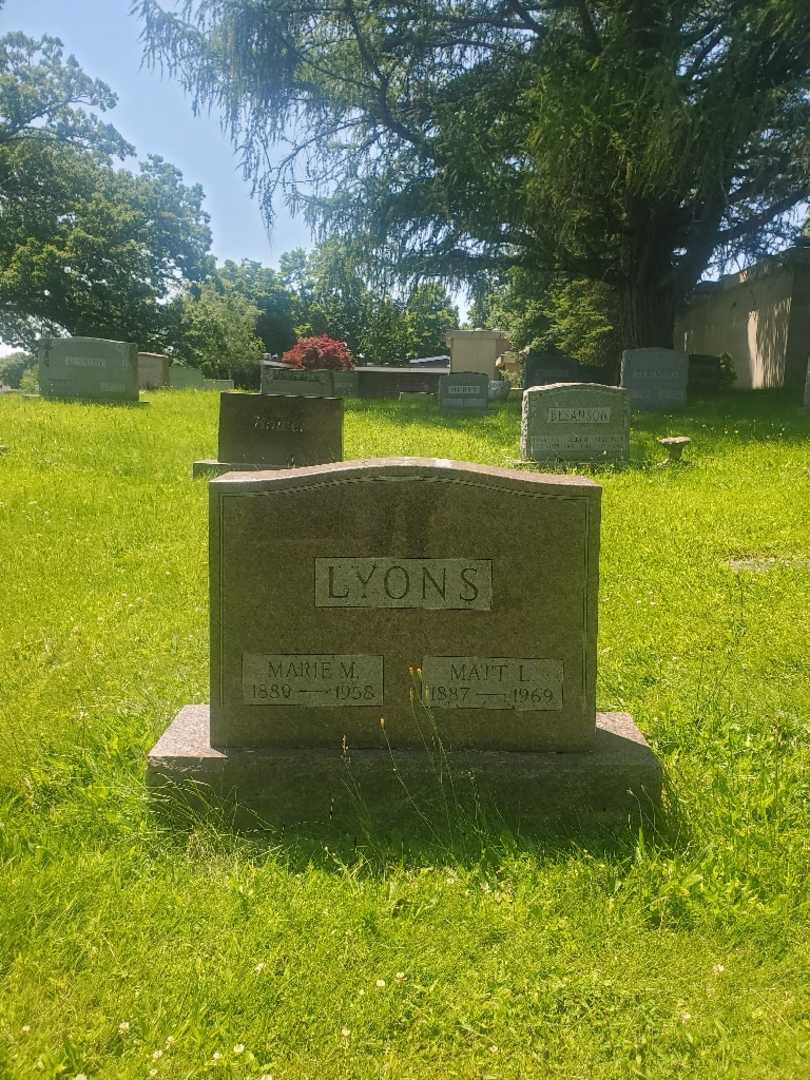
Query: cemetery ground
[{"x": 129, "y": 948}]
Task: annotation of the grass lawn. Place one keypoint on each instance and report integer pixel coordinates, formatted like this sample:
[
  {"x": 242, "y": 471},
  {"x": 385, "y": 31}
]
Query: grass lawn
[{"x": 130, "y": 950}]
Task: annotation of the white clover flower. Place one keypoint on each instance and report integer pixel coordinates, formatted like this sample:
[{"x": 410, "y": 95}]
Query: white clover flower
[
  {"x": 123, "y": 1027},
  {"x": 493, "y": 1049},
  {"x": 380, "y": 984},
  {"x": 685, "y": 1017},
  {"x": 80, "y": 1076},
  {"x": 345, "y": 1032},
  {"x": 260, "y": 967},
  {"x": 25, "y": 1029},
  {"x": 718, "y": 969},
  {"x": 239, "y": 1049},
  {"x": 157, "y": 1054},
  {"x": 400, "y": 976},
  {"x": 216, "y": 1055},
  {"x": 170, "y": 1040}
]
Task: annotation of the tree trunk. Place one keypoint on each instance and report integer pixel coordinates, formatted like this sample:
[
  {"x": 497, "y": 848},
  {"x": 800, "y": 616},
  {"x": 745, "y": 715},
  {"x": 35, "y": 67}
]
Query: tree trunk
[{"x": 647, "y": 314}]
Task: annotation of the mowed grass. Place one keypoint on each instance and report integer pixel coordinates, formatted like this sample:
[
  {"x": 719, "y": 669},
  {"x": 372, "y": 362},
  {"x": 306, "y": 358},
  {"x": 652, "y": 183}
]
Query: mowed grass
[{"x": 128, "y": 949}]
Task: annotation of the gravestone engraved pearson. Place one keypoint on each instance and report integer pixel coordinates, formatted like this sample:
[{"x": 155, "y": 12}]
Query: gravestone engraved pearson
[
  {"x": 581, "y": 422},
  {"x": 656, "y": 378},
  {"x": 263, "y": 431},
  {"x": 464, "y": 391},
  {"x": 298, "y": 382},
  {"x": 91, "y": 369},
  {"x": 346, "y": 593}
]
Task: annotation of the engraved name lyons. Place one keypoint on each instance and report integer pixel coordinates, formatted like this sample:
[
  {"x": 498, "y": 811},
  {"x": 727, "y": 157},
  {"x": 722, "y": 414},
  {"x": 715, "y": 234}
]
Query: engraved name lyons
[{"x": 381, "y": 582}]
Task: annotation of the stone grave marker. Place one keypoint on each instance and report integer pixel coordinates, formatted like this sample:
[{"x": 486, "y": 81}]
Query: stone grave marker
[
  {"x": 346, "y": 593},
  {"x": 89, "y": 369},
  {"x": 346, "y": 383},
  {"x": 806, "y": 399},
  {"x": 218, "y": 384},
  {"x": 298, "y": 382},
  {"x": 464, "y": 391},
  {"x": 656, "y": 378},
  {"x": 580, "y": 422},
  {"x": 153, "y": 370},
  {"x": 185, "y": 377},
  {"x": 264, "y": 431}
]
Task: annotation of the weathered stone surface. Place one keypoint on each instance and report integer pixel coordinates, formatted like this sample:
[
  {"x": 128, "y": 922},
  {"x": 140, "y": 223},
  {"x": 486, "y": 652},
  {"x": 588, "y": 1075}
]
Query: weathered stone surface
[
  {"x": 806, "y": 399},
  {"x": 346, "y": 383},
  {"x": 218, "y": 384},
  {"x": 153, "y": 370},
  {"x": 464, "y": 391},
  {"x": 381, "y": 381},
  {"x": 90, "y": 369},
  {"x": 183, "y": 377},
  {"x": 279, "y": 432},
  {"x": 580, "y": 422},
  {"x": 334, "y": 585},
  {"x": 297, "y": 382},
  {"x": 620, "y": 776},
  {"x": 656, "y": 378}
]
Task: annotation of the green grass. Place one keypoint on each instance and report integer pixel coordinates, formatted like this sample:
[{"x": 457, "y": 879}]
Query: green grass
[{"x": 680, "y": 951}]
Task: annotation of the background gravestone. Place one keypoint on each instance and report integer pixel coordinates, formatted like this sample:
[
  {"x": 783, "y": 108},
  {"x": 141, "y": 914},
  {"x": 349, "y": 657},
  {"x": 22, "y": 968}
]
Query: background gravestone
[
  {"x": 185, "y": 377},
  {"x": 656, "y": 378},
  {"x": 346, "y": 383},
  {"x": 464, "y": 391},
  {"x": 218, "y": 384},
  {"x": 264, "y": 431},
  {"x": 581, "y": 422},
  {"x": 153, "y": 370},
  {"x": 343, "y": 594},
  {"x": 90, "y": 369},
  {"x": 807, "y": 385},
  {"x": 299, "y": 382}
]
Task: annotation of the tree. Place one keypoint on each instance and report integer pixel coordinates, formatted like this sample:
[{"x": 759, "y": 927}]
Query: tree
[
  {"x": 217, "y": 333},
  {"x": 627, "y": 142},
  {"x": 84, "y": 247},
  {"x": 265, "y": 288}
]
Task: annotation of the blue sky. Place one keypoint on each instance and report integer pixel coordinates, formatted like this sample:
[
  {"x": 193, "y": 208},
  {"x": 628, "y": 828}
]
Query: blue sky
[{"x": 154, "y": 114}]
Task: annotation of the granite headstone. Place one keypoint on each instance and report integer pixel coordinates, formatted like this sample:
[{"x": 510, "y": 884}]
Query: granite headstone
[
  {"x": 656, "y": 378},
  {"x": 269, "y": 431},
  {"x": 153, "y": 370},
  {"x": 580, "y": 422},
  {"x": 347, "y": 593},
  {"x": 185, "y": 377},
  {"x": 90, "y": 369},
  {"x": 464, "y": 392}
]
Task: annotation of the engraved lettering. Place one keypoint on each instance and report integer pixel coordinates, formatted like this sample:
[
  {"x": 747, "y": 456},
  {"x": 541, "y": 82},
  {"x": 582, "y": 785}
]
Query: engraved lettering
[
  {"x": 428, "y": 577},
  {"x": 365, "y": 581},
  {"x": 406, "y": 582},
  {"x": 492, "y": 682},
  {"x": 312, "y": 681},
  {"x": 334, "y": 595},
  {"x": 385, "y": 582},
  {"x": 464, "y": 577}
]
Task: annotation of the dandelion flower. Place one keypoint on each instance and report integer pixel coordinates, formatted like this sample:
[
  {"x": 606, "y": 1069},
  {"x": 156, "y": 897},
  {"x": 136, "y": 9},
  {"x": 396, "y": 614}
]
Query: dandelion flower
[
  {"x": 239, "y": 1049},
  {"x": 380, "y": 984}
]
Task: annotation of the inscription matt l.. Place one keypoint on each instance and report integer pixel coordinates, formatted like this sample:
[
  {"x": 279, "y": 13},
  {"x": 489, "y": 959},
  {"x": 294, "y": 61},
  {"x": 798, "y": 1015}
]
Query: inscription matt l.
[
  {"x": 384, "y": 582},
  {"x": 525, "y": 684}
]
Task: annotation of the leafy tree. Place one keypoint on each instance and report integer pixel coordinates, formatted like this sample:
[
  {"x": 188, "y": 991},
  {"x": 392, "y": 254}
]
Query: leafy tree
[
  {"x": 619, "y": 141},
  {"x": 85, "y": 248},
  {"x": 265, "y": 288},
  {"x": 217, "y": 333}
]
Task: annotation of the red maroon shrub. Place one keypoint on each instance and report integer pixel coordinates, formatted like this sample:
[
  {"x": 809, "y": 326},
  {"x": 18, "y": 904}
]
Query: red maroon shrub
[{"x": 319, "y": 352}]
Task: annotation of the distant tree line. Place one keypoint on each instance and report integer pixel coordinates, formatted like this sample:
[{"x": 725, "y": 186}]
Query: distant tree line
[{"x": 89, "y": 247}]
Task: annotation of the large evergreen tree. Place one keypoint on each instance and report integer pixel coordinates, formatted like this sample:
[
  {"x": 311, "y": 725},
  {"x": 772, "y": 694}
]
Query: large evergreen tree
[{"x": 620, "y": 141}]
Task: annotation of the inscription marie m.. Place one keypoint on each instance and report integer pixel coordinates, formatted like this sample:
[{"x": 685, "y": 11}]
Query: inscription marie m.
[{"x": 384, "y": 582}]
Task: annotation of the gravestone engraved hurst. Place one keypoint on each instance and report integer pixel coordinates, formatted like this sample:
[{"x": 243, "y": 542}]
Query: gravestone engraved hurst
[
  {"x": 91, "y": 369},
  {"x": 464, "y": 391},
  {"x": 263, "y": 431},
  {"x": 297, "y": 382},
  {"x": 580, "y": 422},
  {"x": 656, "y": 378},
  {"x": 350, "y": 602}
]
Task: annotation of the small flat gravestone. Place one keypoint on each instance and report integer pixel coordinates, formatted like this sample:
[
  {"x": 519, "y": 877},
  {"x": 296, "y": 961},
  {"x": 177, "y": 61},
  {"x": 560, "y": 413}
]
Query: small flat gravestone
[
  {"x": 297, "y": 382},
  {"x": 346, "y": 383},
  {"x": 264, "y": 431},
  {"x": 88, "y": 369},
  {"x": 580, "y": 422},
  {"x": 656, "y": 378},
  {"x": 464, "y": 392},
  {"x": 346, "y": 593},
  {"x": 218, "y": 384}
]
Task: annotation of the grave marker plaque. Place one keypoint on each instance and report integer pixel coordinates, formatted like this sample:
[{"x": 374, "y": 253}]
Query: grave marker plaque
[
  {"x": 464, "y": 391},
  {"x": 656, "y": 378},
  {"x": 91, "y": 369},
  {"x": 580, "y": 422}
]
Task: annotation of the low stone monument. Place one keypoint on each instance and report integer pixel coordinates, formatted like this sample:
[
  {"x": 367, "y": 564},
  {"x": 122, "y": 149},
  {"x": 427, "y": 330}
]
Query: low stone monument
[
  {"x": 264, "y": 431},
  {"x": 579, "y": 422},
  {"x": 346, "y": 383},
  {"x": 298, "y": 382},
  {"x": 357, "y": 607},
  {"x": 464, "y": 391},
  {"x": 217, "y": 384},
  {"x": 88, "y": 369},
  {"x": 153, "y": 370},
  {"x": 656, "y": 378},
  {"x": 185, "y": 377},
  {"x": 806, "y": 399}
]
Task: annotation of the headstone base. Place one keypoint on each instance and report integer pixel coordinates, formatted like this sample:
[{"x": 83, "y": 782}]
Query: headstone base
[
  {"x": 211, "y": 467},
  {"x": 620, "y": 776}
]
